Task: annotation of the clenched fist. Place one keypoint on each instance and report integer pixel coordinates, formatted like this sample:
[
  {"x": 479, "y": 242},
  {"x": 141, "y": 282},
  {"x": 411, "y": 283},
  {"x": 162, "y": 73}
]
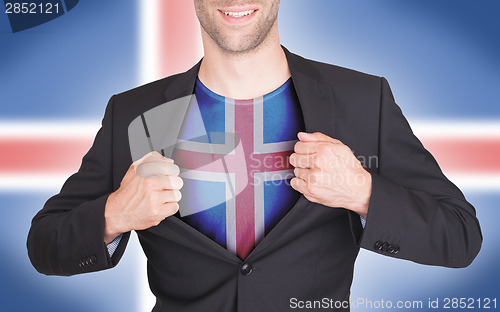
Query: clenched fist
[
  {"x": 148, "y": 193},
  {"x": 327, "y": 172}
]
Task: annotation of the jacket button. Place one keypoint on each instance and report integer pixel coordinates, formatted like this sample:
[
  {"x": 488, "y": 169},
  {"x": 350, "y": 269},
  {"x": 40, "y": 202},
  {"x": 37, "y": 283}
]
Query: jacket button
[
  {"x": 395, "y": 249},
  {"x": 390, "y": 249},
  {"x": 384, "y": 246},
  {"x": 83, "y": 263},
  {"x": 378, "y": 245},
  {"x": 93, "y": 260},
  {"x": 246, "y": 269}
]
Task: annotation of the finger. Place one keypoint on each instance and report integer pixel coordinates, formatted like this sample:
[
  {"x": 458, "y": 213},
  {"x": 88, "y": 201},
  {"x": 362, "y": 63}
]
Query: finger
[
  {"x": 172, "y": 183},
  {"x": 172, "y": 169},
  {"x": 171, "y": 208},
  {"x": 129, "y": 175},
  {"x": 301, "y": 186},
  {"x": 169, "y": 160},
  {"x": 170, "y": 196},
  {"x": 152, "y": 156},
  {"x": 310, "y": 176},
  {"x": 302, "y": 161},
  {"x": 157, "y": 169},
  {"x": 157, "y": 157},
  {"x": 301, "y": 173},
  {"x": 305, "y": 147},
  {"x": 148, "y": 156},
  {"x": 164, "y": 183},
  {"x": 302, "y": 147},
  {"x": 316, "y": 137},
  {"x": 132, "y": 170}
]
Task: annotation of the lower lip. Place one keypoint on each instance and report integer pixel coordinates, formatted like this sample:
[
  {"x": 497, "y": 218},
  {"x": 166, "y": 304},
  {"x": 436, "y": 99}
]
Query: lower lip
[{"x": 237, "y": 20}]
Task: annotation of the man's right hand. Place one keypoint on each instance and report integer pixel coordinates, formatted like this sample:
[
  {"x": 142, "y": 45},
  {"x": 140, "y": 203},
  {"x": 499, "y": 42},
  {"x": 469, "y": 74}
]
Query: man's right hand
[{"x": 148, "y": 194}]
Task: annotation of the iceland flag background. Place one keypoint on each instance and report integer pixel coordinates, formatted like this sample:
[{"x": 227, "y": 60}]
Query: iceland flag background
[{"x": 440, "y": 57}]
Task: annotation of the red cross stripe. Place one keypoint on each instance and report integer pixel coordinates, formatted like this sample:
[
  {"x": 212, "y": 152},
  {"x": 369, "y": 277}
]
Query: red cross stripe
[{"x": 62, "y": 155}]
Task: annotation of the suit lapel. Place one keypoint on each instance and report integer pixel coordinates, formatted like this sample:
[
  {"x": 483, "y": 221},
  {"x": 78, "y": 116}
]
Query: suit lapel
[
  {"x": 158, "y": 128},
  {"x": 183, "y": 84},
  {"x": 315, "y": 97}
]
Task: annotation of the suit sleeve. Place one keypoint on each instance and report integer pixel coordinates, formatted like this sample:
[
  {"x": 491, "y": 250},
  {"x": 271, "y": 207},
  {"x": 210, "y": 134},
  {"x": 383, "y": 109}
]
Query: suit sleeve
[
  {"x": 415, "y": 212},
  {"x": 67, "y": 236}
]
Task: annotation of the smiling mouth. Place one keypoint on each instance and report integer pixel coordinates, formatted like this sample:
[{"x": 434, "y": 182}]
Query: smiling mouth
[{"x": 239, "y": 14}]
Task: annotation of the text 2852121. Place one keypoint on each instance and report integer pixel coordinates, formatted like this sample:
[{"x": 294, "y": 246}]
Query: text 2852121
[{"x": 32, "y": 8}]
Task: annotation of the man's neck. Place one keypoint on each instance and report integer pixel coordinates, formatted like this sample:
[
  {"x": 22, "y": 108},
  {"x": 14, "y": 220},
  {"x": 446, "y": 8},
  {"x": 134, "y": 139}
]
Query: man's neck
[{"x": 244, "y": 76}]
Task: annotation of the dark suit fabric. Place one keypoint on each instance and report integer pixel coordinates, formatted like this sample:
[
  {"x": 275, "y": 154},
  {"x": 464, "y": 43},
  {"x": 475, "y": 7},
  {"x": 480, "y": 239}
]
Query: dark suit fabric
[{"x": 310, "y": 254}]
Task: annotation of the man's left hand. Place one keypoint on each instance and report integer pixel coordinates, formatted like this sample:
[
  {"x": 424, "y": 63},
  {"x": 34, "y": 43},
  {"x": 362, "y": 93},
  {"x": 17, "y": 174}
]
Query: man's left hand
[{"x": 327, "y": 172}]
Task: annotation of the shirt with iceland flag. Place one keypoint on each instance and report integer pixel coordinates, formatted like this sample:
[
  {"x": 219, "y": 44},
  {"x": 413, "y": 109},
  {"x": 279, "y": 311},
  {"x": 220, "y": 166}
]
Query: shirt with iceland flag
[{"x": 233, "y": 156}]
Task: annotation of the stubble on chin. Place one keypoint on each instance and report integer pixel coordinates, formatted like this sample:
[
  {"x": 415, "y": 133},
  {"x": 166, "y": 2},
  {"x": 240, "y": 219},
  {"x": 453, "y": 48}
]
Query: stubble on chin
[{"x": 241, "y": 45}]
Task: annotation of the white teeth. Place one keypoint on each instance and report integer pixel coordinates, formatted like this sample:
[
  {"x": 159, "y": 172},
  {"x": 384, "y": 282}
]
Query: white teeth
[{"x": 239, "y": 14}]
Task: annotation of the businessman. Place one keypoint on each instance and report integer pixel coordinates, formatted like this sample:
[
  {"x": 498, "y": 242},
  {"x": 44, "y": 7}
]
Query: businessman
[{"x": 269, "y": 242}]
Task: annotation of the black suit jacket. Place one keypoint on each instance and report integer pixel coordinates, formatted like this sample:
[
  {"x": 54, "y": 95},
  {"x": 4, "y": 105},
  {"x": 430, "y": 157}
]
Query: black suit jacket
[{"x": 415, "y": 213}]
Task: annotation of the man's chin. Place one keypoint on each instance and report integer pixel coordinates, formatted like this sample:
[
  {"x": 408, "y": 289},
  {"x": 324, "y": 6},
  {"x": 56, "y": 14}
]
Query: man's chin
[{"x": 240, "y": 46}]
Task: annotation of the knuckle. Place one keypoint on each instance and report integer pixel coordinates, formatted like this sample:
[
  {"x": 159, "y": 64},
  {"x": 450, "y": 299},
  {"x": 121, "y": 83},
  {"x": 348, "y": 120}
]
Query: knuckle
[
  {"x": 322, "y": 161},
  {"x": 168, "y": 183},
  {"x": 338, "y": 141},
  {"x": 302, "y": 162},
  {"x": 317, "y": 161},
  {"x": 155, "y": 210},
  {"x": 157, "y": 213},
  {"x": 345, "y": 150},
  {"x": 313, "y": 178},
  {"x": 324, "y": 148},
  {"x": 311, "y": 190},
  {"x": 151, "y": 199},
  {"x": 144, "y": 166},
  {"x": 316, "y": 176},
  {"x": 155, "y": 222},
  {"x": 167, "y": 196},
  {"x": 158, "y": 219},
  {"x": 148, "y": 184},
  {"x": 147, "y": 170},
  {"x": 154, "y": 157},
  {"x": 172, "y": 208}
]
